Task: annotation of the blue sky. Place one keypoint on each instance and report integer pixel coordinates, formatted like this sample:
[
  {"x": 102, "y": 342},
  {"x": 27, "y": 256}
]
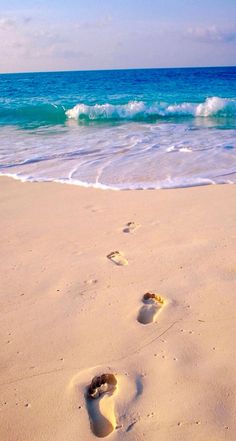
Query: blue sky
[{"x": 44, "y": 35}]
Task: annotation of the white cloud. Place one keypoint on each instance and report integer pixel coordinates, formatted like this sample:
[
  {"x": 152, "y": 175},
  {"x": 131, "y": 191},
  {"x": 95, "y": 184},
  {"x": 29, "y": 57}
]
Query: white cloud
[
  {"x": 6, "y": 23},
  {"x": 101, "y": 23},
  {"x": 212, "y": 34},
  {"x": 38, "y": 44},
  {"x": 33, "y": 41}
]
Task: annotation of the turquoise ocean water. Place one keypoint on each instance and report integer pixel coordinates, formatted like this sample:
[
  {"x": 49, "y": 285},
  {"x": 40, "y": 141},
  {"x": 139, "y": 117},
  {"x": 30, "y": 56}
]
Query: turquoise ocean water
[{"x": 124, "y": 129}]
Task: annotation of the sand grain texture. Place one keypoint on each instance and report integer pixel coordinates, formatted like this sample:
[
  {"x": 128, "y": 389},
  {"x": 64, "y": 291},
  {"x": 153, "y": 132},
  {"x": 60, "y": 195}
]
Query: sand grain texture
[{"x": 69, "y": 314}]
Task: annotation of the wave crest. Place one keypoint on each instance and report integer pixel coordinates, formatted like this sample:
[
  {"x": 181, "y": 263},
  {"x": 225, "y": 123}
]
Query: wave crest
[
  {"x": 213, "y": 106},
  {"x": 49, "y": 113},
  {"x": 107, "y": 111}
]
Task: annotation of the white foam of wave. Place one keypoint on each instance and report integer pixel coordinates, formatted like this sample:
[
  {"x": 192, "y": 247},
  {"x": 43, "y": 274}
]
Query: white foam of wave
[
  {"x": 128, "y": 156},
  {"x": 173, "y": 148},
  {"x": 170, "y": 149},
  {"x": 107, "y": 110},
  {"x": 185, "y": 150},
  {"x": 212, "y": 106},
  {"x": 159, "y": 185},
  {"x": 25, "y": 178}
]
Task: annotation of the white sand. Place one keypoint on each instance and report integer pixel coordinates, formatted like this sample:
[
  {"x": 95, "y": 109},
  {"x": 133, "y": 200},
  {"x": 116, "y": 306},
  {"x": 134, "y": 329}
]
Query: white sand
[{"x": 69, "y": 313}]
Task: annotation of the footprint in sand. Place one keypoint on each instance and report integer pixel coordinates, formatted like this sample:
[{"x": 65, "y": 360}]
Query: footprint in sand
[
  {"x": 118, "y": 258},
  {"x": 131, "y": 227},
  {"x": 152, "y": 306},
  {"x": 100, "y": 404}
]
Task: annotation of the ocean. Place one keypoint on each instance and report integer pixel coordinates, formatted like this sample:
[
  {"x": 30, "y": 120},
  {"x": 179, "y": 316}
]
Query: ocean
[{"x": 120, "y": 129}]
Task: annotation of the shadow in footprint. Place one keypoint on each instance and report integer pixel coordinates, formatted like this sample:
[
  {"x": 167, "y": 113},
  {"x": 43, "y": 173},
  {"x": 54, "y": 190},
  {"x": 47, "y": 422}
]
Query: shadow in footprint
[
  {"x": 139, "y": 386},
  {"x": 152, "y": 305},
  {"x": 100, "y": 404},
  {"x": 131, "y": 227}
]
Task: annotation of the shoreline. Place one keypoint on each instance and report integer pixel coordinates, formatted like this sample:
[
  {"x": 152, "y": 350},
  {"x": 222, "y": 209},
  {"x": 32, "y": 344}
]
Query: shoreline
[
  {"x": 100, "y": 186},
  {"x": 70, "y": 313}
]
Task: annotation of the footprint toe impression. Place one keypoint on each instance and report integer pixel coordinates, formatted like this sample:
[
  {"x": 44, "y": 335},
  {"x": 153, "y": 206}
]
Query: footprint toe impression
[
  {"x": 118, "y": 258},
  {"x": 152, "y": 306},
  {"x": 100, "y": 404}
]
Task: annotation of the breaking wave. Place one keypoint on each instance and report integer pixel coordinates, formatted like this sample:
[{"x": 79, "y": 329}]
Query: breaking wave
[
  {"x": 47, "y": 113},
  {"x": 139, "y": 110}
]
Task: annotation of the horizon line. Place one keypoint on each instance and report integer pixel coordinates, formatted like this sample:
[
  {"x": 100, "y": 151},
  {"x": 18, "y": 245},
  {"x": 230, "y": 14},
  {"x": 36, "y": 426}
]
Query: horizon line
[{"x": 116, "y": 69}]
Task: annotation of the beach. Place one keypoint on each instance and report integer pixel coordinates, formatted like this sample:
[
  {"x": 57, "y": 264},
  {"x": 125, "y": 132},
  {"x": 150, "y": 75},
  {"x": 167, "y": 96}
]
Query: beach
[{"x": 70, "y": 313}]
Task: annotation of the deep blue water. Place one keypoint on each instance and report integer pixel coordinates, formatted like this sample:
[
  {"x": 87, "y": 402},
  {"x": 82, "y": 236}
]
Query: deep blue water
[{"x": 147, "y": 128}]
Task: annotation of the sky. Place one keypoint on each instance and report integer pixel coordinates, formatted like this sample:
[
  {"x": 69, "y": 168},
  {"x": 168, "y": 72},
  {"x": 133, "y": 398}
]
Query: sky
[{"x": 48, "y": 35}]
